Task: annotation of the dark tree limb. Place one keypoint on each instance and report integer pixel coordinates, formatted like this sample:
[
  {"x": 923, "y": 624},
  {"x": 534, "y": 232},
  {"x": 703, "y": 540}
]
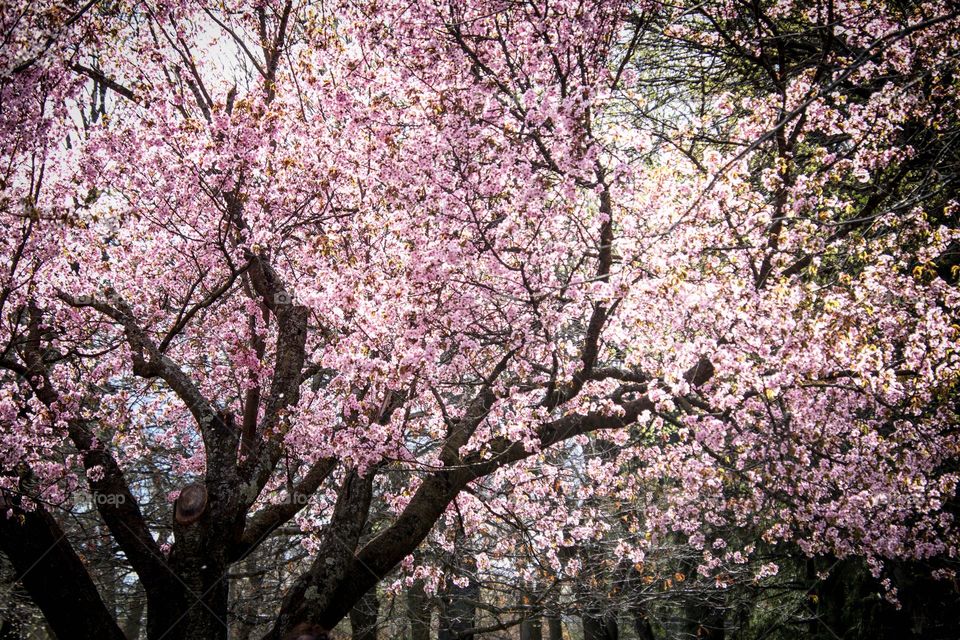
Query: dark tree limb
[
  {"x": 121, "y": 513},
  {"x": 53, "y": 574},
  {"x": 312, "y": 593},
  {"x": 268, "y": 519},
  {"x": 108, "y": 82}
]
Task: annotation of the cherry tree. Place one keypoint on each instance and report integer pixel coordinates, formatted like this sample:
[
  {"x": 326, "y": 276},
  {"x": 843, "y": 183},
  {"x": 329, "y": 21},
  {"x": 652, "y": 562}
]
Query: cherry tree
[{"x": 317, "y": 261}]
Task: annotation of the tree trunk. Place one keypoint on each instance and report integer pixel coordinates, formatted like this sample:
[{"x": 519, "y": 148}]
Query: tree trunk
[
  {"x": 247, "y": 599},
  {"x": 707, "y": 620},
  {"x": 532, "y": 626},
  {"x": 418, "y": 610},
  {"x": 458, "y": 611},
  {"x": 54, "y": 575},
  {"x": 314, "y": 594},
  {"x": 600, "y": 626},
  {"x": 531, "y": 629},
  {"x": 641, "y": 624},
  {"x": 133, "y": 618},
  {"x": 363, "y": 617},
  {"x": 555, "y": 627},
  {"x": 202, "y": 568}
]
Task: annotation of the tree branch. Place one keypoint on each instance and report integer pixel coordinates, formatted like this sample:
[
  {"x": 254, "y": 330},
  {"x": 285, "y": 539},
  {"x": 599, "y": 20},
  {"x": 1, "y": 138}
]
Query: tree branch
[
  {"x": 53, "y": 574},
  {"x": 268, "y": 519}
]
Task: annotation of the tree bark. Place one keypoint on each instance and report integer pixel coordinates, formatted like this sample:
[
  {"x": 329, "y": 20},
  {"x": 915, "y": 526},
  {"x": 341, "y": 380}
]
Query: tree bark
[
  {"x": 641, "y": 624},
  {"x": 363, "y": 617},
  {"x": 418, "y": 610},
  {"x": 600, "y": 626},
  {"x": 707, "y": 621},
  {"x": 133, "y": 618},
  {"x": 554, "y": 627},
  {"x": 54, "y": 575},
  {"x": 336, "y": 564},
  {"x": 458, "y": 613},
  {"x": 531, "y": 629}
]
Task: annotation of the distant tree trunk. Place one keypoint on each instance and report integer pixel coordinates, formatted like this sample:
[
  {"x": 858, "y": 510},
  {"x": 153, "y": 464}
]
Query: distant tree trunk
[
  {"x": 813, "y": 596},
  {"x": 641, "y": 623},
  {"x": 363, "y": 617},
  {"x": 133, "y": 618},
  {"x": 554, "y": 627},
  {"x": 15, "y": 598},
  {"x": 532, "y": 626},
  {"x": 418, "y": 610},
  {"x": 531, "y": 629},
  {"x": 458, "y": 611},
  {"x": 600, "y": 626},
  {"x": 706, "y": 621},
  {"x": 704, "y": 615},
  {"x": 246, "y": 592}
]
